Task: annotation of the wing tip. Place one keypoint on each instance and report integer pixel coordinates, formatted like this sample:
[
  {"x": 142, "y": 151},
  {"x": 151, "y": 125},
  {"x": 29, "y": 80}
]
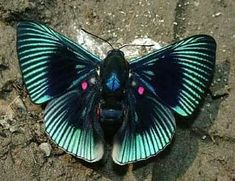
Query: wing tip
[
  {"x": 206, "y": 36},
  {"x": 117, "y": 161},
  {"x": 100, "y": 151},
  {"x": 141, "y": 159}
]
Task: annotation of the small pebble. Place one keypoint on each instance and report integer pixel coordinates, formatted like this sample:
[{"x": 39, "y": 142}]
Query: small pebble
[
  {"x": 216, "y": 14},
  {"x": 14, "y": 128},
  {"x": 204, "y": 137},
  {"x": 46, "y": 148}
]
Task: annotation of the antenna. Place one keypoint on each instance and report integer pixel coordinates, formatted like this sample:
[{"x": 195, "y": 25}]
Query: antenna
[
  {"x": 127, "y": 45},
  {"x": 97, "y": 37},
  {"x": 110, "y": 43}
]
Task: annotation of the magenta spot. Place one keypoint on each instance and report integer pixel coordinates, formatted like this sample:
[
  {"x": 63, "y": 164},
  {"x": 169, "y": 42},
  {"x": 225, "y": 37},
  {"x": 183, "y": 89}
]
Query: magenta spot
[
  {"x": 84, "y": 85},
  {"x": 141, "y": 90}
]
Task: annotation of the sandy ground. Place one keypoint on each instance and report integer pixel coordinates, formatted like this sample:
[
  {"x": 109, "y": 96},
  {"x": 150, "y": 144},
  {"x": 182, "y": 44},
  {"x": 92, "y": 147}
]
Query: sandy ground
[{"x": 203, "y": 147}]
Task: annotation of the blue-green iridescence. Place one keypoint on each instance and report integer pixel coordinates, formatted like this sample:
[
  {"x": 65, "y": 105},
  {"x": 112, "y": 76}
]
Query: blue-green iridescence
[
  {"x": 182, "y": 74},
  {"x": 150, "y": 140},
  {"x": 175, "y": 78},
  {"x": 50, "y": 62},
  {"x": 65, "y": 126},
  {"x": 113, "y": 82}
]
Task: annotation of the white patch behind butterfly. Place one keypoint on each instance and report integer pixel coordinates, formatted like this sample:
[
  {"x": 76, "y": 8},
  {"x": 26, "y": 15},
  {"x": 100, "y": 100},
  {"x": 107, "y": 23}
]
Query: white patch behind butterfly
[{"x": 90, "y": 43}]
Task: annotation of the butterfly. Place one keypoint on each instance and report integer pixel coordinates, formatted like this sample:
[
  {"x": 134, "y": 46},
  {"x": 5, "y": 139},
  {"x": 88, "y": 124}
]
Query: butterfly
[{"x": 84, "y": 92}]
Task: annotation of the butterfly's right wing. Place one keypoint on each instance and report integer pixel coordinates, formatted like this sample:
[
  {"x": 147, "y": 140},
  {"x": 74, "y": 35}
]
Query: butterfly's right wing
[
  {"x": 148, "y": 128},
  {"x": 180, "y": 73},
  {"x": 174, "y": 78}
]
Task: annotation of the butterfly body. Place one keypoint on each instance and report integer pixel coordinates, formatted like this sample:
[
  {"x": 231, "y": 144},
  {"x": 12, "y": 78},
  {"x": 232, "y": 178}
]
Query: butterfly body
[
  {"x": 139, "y": 97},
  {"x": 114, "y": 78}
]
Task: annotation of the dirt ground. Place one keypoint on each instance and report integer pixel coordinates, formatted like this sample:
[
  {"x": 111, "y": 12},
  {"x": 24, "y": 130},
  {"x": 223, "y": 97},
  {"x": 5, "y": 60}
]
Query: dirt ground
[{"x": 203, "y": 147}]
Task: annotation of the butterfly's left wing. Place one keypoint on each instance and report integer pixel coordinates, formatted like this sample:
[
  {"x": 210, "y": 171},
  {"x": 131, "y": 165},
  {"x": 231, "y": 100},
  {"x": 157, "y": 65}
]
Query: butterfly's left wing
[
  {"x": 71, "y": 122},
  {"x": 51, "y": 64},
  {"x": 57, "y": 70}
]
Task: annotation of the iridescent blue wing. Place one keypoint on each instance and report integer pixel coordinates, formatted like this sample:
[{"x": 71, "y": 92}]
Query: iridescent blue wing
[
  {"x": 179, "y": 73},
  {"x": 58, "y": 71},
  {"x": 51, "y": 64},
  {"x": 71, "y": 122},
  {"x": 147, "y": 129},
  {"x": 173, "y": 78}
]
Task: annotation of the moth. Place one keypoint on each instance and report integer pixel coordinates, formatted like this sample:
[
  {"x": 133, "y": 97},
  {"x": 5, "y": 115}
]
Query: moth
[{"x": 84, "y": 92}]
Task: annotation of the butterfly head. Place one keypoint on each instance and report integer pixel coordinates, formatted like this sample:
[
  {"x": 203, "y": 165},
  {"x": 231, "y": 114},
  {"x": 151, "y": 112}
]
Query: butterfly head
[
  {"x": 115, "y": 52},
  {"x": 114, "y": 72}
]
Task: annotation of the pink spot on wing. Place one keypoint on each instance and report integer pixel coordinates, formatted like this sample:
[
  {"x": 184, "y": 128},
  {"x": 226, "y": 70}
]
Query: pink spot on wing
[
  {"x": 84, "y": 85},
  {"x": 141, "y": 90}
]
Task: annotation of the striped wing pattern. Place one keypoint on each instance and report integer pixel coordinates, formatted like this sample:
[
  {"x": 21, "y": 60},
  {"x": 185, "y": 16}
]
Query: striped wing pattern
[
  {"x": 179, "y": 73},
  {"x": 51, "y": 64},
  {"x": 175, "y": 78},
  {"x": 147, "y": 131},
  {"x": 53, "y": 68},
  {"x": 70, "y": 121}
]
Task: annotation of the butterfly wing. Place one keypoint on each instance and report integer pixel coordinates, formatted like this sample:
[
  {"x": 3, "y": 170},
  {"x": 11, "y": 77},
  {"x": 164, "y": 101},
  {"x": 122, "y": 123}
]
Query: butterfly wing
[
  {"x": 179, "y": 73},
  {"x": 51, "y": 64},
  {"x": 173, "y": 78},
  {"x": 54, "y": 70},
  {"x": 148, "y": 128},
  {"x": 71, "y": 122}
]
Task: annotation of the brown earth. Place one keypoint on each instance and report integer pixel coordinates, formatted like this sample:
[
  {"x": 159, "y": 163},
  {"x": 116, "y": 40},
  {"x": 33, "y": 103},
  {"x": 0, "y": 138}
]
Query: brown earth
[{"x": 203, "y": 147}]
